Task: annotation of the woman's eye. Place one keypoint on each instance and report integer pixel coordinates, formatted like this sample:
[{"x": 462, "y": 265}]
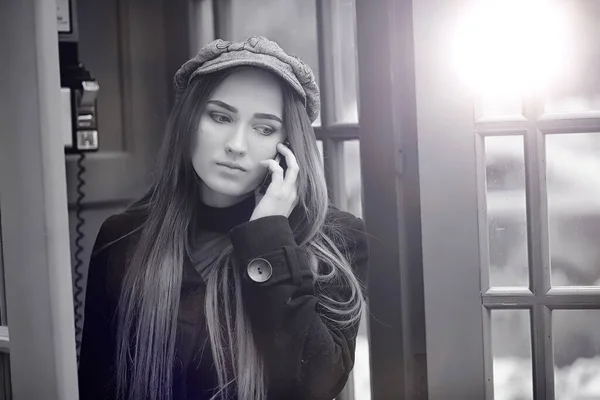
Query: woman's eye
[
  {"x": 220, "y": 118},
  {"x": 265, "y": 130}
]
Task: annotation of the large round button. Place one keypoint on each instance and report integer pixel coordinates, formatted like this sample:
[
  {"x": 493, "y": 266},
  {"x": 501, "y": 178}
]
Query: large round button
[{"x": 260, "y": 270}]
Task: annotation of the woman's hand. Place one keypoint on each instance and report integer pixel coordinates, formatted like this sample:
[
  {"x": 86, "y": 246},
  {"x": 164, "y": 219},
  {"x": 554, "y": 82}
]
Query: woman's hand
[{"x": 282, "y": 194}]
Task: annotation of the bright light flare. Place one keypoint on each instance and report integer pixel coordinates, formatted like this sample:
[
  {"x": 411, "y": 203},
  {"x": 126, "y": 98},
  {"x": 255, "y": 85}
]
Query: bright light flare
[{"x": 512, "y": 47}]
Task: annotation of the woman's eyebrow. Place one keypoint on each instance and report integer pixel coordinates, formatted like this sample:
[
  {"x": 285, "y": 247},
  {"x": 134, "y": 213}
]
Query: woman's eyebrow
[
  {"x": 224, "y": 105},
  {"x": 268, "y": 116}
]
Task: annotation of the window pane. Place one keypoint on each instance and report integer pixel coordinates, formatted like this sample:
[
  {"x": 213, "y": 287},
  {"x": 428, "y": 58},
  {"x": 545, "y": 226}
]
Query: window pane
[
  {"x": 362, "y": 373},
  {"x": 345, "y": 62},
  {"x": 291, "y": 23},
  {"x": 353, "y": 177},
  {"x": 576, "y": 354},
  {"x": 573, "y": 177},
  {"x": 506, "y": 210},
  {"x": 317, "y": 122},
  {"x": 353, "y": 204},
  {"x": 578, "y": 88},
  {"x": 511, "y": 349},
  {"x": 320, "y": 146}
]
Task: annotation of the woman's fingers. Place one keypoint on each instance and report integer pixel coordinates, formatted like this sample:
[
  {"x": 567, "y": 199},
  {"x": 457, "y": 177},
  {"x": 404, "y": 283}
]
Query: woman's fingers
[
  {"x": 292, "y": 170},
  {"x": 282, "y": 194},
  {"x": 275, "y": 168}
]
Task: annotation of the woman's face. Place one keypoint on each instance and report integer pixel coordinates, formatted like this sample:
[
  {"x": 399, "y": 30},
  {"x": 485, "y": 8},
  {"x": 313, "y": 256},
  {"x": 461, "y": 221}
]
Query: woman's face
[{"x": 240, "y": 126}]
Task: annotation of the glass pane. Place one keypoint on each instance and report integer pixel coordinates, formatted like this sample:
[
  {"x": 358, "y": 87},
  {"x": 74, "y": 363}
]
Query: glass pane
[
  {"x": 353, "y": 204},
  {"x": 291, "y": 23},
  {"x": 511, "y": 350},
  {"x": 506, "y": 210},
  {"x": 345, "y": 62},
  {"x": 578, "y": 88},
  {"x": 317, "y": 121},
  {"x": 361, "y": 371},
  {"x": 576, "y": 354},
  {"x": 573, "y": 178},
  {"x": 320, "y": 146},
  {"x": 353, "y": 177},
  {"x": 492, "y": 105}
]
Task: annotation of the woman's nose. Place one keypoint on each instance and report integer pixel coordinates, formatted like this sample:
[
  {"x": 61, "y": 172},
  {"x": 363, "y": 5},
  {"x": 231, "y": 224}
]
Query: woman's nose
[{"x": 237, "y": 142}]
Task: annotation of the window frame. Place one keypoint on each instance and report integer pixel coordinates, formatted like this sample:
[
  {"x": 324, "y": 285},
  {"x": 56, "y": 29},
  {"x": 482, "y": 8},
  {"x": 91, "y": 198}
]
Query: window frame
[{"x": 540, "y": 298}]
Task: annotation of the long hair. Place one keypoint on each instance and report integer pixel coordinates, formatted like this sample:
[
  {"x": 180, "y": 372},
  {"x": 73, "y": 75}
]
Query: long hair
[{"x": 150, "y": 292}]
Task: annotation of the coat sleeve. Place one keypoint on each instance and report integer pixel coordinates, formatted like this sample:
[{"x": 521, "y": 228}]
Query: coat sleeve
[
  {"x": 97, "y": 351},
  {"x": 306, "y": 357}
]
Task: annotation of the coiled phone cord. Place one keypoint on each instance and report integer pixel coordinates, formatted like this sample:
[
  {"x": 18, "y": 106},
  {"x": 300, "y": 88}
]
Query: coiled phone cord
[{"x": 78, "y": 281}]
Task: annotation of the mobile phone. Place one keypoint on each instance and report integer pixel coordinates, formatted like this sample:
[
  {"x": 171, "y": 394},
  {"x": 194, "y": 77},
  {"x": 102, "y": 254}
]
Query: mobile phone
[{"x": 281, "y": 160}]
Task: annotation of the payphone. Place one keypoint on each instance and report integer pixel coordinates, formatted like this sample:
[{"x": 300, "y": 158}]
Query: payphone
[
  {"x": 78, "y": 88},
  {"x": 79, "y": 91}
]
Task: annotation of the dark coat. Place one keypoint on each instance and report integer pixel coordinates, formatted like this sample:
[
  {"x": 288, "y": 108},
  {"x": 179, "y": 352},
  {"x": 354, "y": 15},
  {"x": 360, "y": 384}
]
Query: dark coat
[{"x": 305, "y": 356}]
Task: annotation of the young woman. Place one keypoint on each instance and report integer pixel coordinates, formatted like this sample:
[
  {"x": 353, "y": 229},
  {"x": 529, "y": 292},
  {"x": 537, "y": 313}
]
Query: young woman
[{"x": 232, "y": 277}]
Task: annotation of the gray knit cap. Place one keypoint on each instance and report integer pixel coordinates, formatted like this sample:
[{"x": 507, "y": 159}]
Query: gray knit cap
[{"x": 255, "y": 51}]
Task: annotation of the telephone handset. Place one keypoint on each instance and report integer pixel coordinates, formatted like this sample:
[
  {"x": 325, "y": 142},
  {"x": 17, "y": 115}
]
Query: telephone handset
[{"x": 281, "y": 160}]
